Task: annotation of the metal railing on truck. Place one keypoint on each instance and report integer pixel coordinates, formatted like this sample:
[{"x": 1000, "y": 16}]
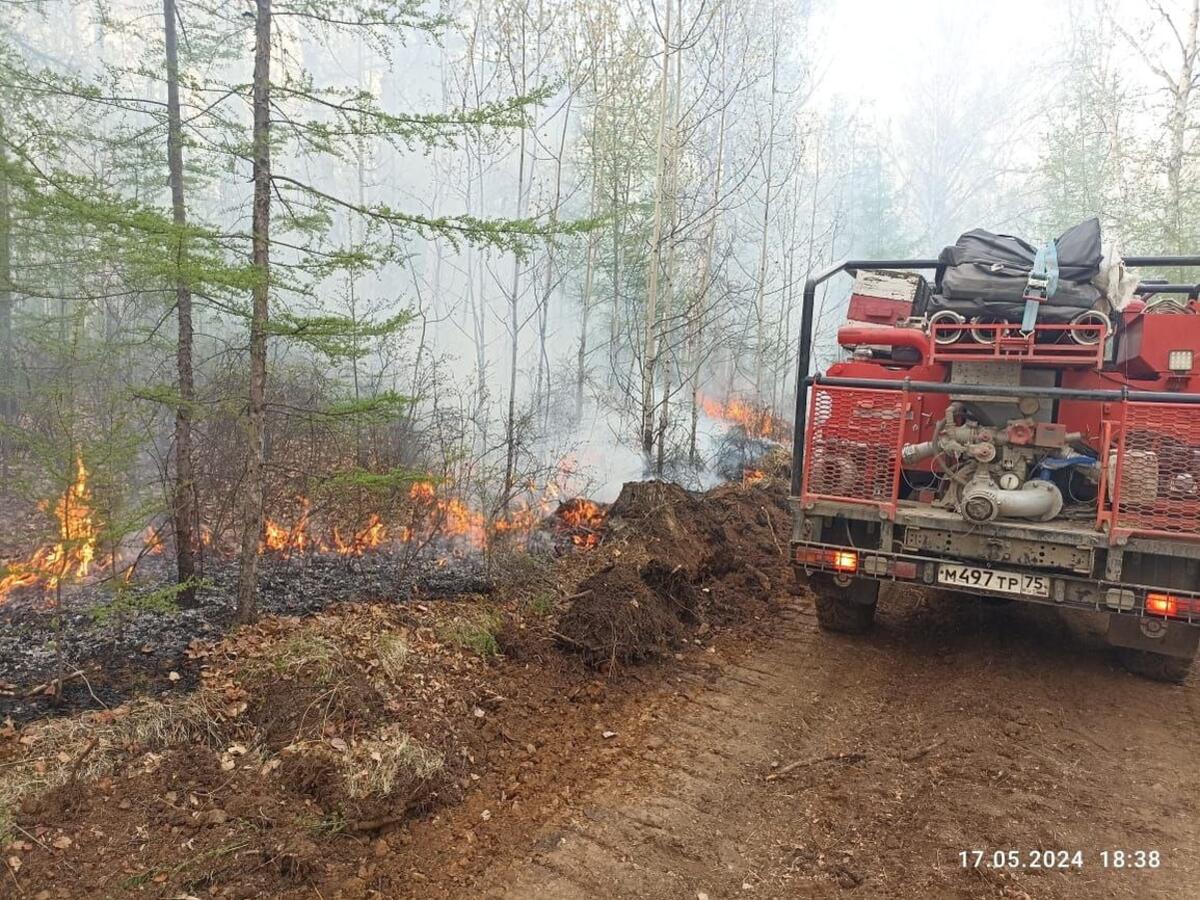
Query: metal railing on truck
[
  {"x": 1150, "y": 471},
  {"x": 853, "y": 429}
]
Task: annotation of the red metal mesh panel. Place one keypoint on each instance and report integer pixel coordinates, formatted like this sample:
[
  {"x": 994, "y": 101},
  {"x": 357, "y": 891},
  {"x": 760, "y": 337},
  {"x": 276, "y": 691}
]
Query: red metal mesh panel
[
  {"x": 1154, "y": 474},
  {"x": 853, "y": 444}
]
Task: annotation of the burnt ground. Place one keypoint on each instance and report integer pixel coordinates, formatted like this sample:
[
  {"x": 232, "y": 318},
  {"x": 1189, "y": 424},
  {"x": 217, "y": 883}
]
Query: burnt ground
[
  {"x": 740, "y": 752},
  {"x": 118, "y": 649}
]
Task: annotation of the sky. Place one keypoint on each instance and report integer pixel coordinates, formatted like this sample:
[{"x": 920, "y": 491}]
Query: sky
[{"x": 872, "y": 50}]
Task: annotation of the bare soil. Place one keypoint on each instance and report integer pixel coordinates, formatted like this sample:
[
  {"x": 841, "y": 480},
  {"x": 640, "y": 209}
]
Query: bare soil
[
  {"x": 819, "y": 766},
  {"x": 745, "y": 754}
]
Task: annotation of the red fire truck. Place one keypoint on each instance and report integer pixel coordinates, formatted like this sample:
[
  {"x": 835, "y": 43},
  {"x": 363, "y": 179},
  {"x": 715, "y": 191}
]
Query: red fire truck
[{"x": 1053, "y": 462}]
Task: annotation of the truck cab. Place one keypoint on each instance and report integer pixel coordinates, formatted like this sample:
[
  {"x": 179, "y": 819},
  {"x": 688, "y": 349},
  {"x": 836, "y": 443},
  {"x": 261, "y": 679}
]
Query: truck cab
[{"x": 1055, "y": 464}]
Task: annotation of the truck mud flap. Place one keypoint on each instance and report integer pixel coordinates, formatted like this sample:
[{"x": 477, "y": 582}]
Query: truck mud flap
[{"x": 1153, "y": 635}]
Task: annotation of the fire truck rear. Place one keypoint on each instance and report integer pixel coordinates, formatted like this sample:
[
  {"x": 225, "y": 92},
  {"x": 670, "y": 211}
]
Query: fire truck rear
[{"x": 1051, "y": 459}]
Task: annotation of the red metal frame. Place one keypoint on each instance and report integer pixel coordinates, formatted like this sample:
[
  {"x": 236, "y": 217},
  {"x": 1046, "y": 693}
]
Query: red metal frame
[
  {"x": 1173, "y": 430},
  {"x": 853, "y": 439},
  {"x": 1008, "y": 344}
]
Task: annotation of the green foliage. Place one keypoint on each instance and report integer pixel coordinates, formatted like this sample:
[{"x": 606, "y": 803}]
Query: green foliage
[
  {"x": 541, "y": 603},
  {"x": 387, "y": 482},
  {"x": 476, "y": 631},
  {"x": 385, "y": 407},
  {"x": 337, "y": 337},
  {"x": 130, "y": 601}
]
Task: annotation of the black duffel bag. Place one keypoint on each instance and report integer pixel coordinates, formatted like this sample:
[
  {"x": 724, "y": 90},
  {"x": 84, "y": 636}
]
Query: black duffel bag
[{"x": 991, "y": 270}]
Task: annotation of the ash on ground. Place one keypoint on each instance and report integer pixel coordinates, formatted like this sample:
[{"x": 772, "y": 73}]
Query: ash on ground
[{"x": 111, "y": 649}]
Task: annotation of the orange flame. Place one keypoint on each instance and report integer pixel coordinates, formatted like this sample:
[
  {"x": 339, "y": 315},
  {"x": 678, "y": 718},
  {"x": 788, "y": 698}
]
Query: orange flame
[
  {"x": 287, "y": 541},
  {"x": 369, "y": 537},
  {"x": 301, "y": 539},
  {"x": 757, "y": 420},
  {"x": 753, "y": 476},
  {"x": 72, "y": 555},
  {"x": 421, "y": 492},
  {"x": 585, "y": 519},
  {"x": 153, "y": 542},
  {"x": 450, "y": 518}
]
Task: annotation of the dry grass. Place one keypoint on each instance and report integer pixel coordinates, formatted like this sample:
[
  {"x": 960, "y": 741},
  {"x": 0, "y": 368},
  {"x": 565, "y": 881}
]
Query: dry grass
[
  {"x": 378, "y": 767},
  {"x": 393, "y": 654},
  {"x": 91, "y": 747},
  {"x": 317, "y": 656}
]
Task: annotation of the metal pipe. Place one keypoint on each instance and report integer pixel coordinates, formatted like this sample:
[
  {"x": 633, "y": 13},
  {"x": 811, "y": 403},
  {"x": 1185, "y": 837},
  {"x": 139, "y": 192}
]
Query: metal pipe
[
  {"x": 911, "y": 454},
  {"x": 888, "y": 336},
  {"x": 983, "y": 501},
  {"x": 803, "y": 361},
  {"x": 1138, "y": 262}
]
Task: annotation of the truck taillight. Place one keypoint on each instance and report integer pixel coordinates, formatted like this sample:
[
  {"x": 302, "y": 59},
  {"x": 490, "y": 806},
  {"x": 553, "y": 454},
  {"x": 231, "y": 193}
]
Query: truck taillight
[
  {"x": 845, "y": 561},
  {"x": 1162, "y": 604},
  {"x": 838, "y": 560},
  {"x": 1170, "y": 605}
]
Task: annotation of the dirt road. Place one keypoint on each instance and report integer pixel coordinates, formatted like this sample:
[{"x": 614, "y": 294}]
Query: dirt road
[{"x": 817, "y": 766}]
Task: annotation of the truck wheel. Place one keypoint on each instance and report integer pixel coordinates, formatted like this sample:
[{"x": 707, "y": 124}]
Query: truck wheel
[
  {"x": 1155, "y": 666},
  {"x": 848, "y": 609}
]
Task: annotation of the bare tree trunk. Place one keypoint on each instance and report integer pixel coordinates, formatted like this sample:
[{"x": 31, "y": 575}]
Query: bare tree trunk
[
  {"x": 664, "y": 422},
  {"x": 8, "y": 404},
  {"x": 252, "y": 506},
  {"x": 8, "y": 381},
  {"x": 760, "y": 298},
  {"x": 183, "y": 512},
  {"x": 650, "y": 349},
  {"x": 360, "y": 152},
  {"x": 510, "y": 423},
  {"x": 784, "y": 365},
  {"x": 699, "y": 310},
  {"x": 475, "y": 275},
  {"x": 668, "y": 302},
  {"x": 586, "y": 301},
  {"x": 1181, "y": 94},
  {"x": 619, "y": 201},
  {"x": 543, "y": 374}
]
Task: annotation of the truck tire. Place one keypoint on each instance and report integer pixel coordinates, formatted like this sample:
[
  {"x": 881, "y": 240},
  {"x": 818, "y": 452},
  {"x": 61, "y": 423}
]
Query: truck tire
[
  {"x": 1155, "y": 666},
  {"x": 846, "y": 609}
]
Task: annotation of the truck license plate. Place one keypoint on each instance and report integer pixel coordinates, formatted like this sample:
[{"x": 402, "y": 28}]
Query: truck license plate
[{"x": 991, "y": 580}]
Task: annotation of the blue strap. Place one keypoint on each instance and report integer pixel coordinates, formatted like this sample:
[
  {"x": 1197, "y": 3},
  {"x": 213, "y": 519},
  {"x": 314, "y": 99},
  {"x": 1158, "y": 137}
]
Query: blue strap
[{"x": 1042, "y": 284}]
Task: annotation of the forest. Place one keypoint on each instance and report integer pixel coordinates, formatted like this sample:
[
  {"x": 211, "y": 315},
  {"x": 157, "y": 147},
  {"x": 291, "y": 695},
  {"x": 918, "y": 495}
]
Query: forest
[
  {"x": 392, "y": 267},
  {"x": 382, "y": 382}
]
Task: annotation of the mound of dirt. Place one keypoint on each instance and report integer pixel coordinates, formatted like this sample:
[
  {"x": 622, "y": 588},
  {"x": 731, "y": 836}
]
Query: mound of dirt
[
  {"x": 660, "y": 517},
  {"x": 679, "y": 560},
  {"x": 618, "y": 617},
  {"x": 289, "y": 710}
]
